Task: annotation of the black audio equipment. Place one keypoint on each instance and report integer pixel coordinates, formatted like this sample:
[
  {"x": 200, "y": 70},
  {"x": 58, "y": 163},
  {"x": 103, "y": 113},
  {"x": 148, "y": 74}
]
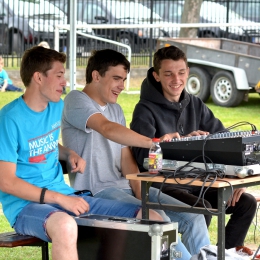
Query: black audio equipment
[
  {"x": 229, "y": 148},
  {"x": 118, "y": 238}
]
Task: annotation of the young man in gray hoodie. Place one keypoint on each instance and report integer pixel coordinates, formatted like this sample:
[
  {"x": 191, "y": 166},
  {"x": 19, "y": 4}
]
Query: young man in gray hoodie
[{"x": 165, "y": 107}]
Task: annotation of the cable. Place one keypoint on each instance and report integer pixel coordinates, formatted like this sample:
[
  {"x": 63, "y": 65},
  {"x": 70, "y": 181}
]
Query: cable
[
  {"x": 208, "y": 178},
  {"x": 253, "y": 127},
  {"x": 256, "y": 221},
  {"x": 204, "y": 175}
]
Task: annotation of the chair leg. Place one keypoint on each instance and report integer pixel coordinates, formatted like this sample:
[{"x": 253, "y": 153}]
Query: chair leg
[{"x": 45, "y": 251}]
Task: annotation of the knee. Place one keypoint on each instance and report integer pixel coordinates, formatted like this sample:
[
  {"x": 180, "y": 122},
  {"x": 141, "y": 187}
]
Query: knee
[
  {"x": 249, "y": 202},
  {"x": 69, "y": 227},
  {"x": 60, "y": 225},
  {"x": 207, "y": 204},
  {"x": 153, "y": 215}
]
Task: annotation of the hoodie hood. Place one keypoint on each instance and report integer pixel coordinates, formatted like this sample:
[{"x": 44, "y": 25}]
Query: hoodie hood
[{"x": 151, "y": 90}]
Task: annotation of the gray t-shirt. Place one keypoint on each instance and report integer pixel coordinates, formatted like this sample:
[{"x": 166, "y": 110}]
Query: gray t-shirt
[{"x": 103, "y": 156}]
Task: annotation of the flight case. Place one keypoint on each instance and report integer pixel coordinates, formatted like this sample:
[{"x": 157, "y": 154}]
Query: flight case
[{"x": 117, "y": 238}]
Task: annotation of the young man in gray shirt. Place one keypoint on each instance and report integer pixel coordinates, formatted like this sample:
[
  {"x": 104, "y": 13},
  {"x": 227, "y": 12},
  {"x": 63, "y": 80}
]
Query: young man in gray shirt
[{"x": 93, "y": 124}]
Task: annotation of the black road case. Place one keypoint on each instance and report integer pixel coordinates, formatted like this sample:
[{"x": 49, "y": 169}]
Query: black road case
[{"x": 115, "y": 238}]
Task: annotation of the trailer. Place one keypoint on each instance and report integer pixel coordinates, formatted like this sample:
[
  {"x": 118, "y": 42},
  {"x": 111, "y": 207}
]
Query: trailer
[{"x": 227, "y": 70}]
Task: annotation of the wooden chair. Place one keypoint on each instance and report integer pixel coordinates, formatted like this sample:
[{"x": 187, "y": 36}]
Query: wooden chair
[{"x": 12, "y": 239}]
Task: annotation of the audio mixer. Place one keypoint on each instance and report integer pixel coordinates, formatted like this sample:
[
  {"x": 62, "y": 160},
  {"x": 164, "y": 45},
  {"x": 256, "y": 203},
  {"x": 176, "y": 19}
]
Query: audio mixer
[{"x": 229, "y": 149}]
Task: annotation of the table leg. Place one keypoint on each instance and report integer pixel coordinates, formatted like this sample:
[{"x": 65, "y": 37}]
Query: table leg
[
  {"x": 223, "y": 195},
  {"x": 145, "y": 198}
]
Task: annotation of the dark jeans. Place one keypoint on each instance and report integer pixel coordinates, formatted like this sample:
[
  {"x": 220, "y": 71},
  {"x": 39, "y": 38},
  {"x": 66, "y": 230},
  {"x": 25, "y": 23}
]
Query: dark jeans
[
  {"x": 241, "y": 217},
  {"x": 11, "y": 87}
]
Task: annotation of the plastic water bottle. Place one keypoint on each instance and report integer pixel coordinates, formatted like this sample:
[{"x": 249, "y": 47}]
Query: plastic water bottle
[{"x": 155, "y": 157}]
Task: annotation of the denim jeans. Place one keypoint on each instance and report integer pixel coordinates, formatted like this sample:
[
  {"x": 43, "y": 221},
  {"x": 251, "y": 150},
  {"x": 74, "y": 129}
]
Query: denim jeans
[
  {"x": 191, "y": 226},
  {"x": 11, "y": 87},
  {"x": 32, "y": 219}
]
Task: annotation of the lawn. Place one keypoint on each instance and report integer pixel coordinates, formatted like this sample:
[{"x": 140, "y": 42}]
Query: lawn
[{"x": 247, "y": 111}]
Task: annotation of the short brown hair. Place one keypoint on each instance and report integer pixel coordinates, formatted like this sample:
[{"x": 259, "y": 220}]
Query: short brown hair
[
  {"x": 101, "y": 60},
  {"x": 168, "y": 53},
  {"x": 38, "y": 59}
]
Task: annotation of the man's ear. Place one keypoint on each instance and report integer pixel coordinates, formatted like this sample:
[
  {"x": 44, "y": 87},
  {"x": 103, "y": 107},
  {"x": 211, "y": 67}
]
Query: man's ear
[
  {"x": 37, "y": 77},
  {"x": 95, "y": 75},
  {"x": 156, "y": 77}
]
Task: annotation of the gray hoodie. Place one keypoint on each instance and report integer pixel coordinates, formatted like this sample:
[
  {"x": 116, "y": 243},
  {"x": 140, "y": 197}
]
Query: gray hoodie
[{"x": 155, "y": 116}]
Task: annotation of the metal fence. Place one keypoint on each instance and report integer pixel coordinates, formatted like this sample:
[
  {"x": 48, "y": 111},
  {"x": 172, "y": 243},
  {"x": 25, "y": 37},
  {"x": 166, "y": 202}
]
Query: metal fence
[{"x": 26, "y": 23}]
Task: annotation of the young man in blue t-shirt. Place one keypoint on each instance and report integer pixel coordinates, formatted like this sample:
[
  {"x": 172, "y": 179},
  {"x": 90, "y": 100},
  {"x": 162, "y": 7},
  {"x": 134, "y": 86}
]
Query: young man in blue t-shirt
[{"x": 35, "y": 198}]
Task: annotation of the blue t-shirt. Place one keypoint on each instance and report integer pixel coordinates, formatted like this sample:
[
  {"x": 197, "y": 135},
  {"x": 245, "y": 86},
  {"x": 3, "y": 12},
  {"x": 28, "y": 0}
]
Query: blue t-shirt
[
  {"x": 30, "y": 140},
  {"x": 3, "y": 77}
]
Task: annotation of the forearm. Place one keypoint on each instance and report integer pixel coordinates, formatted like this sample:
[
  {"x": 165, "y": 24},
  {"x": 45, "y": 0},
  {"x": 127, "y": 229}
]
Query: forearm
[
  {"x": 125, "y": 136},
  {"x": 129, "y": 166},
  {"x": 139, "y": 155},
  {"x": 64, "y": 152},
  {"x": 136, "y": 188},
  {"x": 27, "y": 191}
]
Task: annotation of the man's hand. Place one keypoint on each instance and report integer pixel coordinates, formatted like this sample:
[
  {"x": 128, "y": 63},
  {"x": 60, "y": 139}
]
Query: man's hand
[
  {"x": 236, "y": 196},
  {"x": 196, "y": 133},
  {"x": 77, "y": 163},
  {"x": 77, "y": 205},
  {"x": 169, "y": 137}
]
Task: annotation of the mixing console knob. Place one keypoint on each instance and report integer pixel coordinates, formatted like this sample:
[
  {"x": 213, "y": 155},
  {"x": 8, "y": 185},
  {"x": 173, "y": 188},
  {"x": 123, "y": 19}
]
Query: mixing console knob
[
  {"x": 243, "y": 172},
  {"x": 256, "y": 147},
  {"x": 250, "y": 172}
]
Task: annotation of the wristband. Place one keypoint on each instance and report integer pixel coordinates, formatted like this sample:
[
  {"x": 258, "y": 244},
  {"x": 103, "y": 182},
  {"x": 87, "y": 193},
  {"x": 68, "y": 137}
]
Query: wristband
[{"x": 42, "y": 195}]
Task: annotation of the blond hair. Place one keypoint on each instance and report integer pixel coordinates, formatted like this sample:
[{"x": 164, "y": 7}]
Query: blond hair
[{"x": 44, "y": 44}]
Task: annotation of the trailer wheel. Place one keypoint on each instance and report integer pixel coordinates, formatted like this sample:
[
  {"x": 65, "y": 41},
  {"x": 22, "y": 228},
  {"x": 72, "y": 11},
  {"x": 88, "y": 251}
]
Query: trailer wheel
[
  {"x": 223, "y": 90},
  {"x": 198, "y": 83}
]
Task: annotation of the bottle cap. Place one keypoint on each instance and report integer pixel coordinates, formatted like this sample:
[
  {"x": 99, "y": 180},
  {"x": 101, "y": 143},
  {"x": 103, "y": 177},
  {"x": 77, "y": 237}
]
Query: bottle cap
[{"x": 156, "y": 140}]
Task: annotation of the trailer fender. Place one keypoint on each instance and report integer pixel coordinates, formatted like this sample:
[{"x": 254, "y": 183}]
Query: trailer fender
[{"x": 239, "y": 74}]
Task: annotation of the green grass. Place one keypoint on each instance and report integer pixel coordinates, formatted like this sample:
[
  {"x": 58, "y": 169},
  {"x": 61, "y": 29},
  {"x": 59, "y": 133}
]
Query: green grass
[{"x": 247, "y": 111}]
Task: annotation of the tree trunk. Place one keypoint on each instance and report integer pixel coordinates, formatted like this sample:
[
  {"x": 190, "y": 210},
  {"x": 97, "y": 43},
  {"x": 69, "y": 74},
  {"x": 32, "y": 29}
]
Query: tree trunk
[{"x": 190, "y": 14}]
